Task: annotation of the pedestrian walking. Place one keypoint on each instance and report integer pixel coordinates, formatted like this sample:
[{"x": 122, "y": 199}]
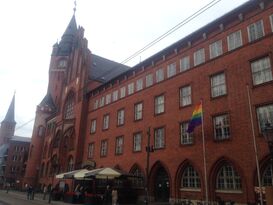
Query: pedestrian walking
[
  {"x": 107, "y": 195},
  {"x": 44, "y": 192},
  {"x": 7, "y": 187},
  {"x": 29, "y": 192},
  {"x": 114, "y": 196}
]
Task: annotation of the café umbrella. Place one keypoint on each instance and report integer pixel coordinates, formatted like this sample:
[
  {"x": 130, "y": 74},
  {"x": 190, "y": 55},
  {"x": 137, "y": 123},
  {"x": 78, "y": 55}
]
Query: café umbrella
[{"x": 101, "y": 173}]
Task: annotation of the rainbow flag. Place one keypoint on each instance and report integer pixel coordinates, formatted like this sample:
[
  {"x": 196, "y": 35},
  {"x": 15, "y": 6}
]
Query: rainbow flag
[{"x": 196, "y": 118}]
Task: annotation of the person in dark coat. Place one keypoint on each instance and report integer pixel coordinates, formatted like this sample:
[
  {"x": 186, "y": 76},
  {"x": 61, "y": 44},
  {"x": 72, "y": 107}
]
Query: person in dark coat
[{"x": 107, "y": 195}]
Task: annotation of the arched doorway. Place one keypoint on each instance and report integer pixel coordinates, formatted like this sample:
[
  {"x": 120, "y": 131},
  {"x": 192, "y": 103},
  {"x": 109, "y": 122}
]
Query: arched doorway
[{"x": 161, "y": 185}]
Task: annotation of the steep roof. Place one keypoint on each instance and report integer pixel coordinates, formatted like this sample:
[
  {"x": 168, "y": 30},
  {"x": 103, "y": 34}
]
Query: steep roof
[
  {"x": 10, "y": 113},
  {"x": 103, "y": 70},
  {"x": 47, "y": 103}
]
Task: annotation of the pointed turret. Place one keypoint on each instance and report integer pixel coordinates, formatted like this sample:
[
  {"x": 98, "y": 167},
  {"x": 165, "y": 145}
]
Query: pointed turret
[{"x": 10, "y": 113}]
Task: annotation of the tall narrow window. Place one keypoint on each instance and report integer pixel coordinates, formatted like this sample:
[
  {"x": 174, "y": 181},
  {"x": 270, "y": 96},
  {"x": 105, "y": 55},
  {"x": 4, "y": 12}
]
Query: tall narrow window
[
  {"x": 115, "y": 96},
  {"x": 228, "y": 178},
  {"x": 185, "y": 96},
  {"x": 218, "y": 85},
  {"x": 159, "y": 138},
  {"x": 190, "y": 178},
  {"x": 199, "y": 57},
  {"x": 93, "y": 126},
  {"x": 215, "y": 49},
  {"x": 91, "y": 148},
  {"x": 103, "y": 148},
  {"x": 267, "y": 178},
  {"x": 261, "y": 71},
  {"x": 265, "y": 115},
  {"x": 106, "y": 119},
  {"x": 137, "y": 142},
  {"x": 149, "y": 80},
  {"x": 171, "y": 70},
  {"x": 120, "y": 117},
  {"x": 119, "y": 145},
  {"x": 138, "y": 111},
  {"x": 234, "y": 40},
  {"x": 122, "y": 92},
  {"x": 70, "y": 165},
  {"x": 69, "y": 106},
  {"x": 255, "y": 31},
  {"x": 139, "y": 84},
  {"x": 130, "y": 88},
  {"x": 159, "y": 74},
  {"x": 184, "y": 63},
  {"x": 96, "y": 104},
  {"x": 185, "y": 137},
  {"x": 108, "y": 99},
  {"x": 159, "y": 104},
  {"x": 221, "y": 127},
  {"x": 102, "y": 101}
]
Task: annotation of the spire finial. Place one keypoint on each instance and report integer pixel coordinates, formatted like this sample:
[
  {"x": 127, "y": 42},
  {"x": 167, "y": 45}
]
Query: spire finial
[{"x": 75, "y": 5}]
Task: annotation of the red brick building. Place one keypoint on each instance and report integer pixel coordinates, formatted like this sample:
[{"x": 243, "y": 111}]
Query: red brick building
[
  {"x": 13, "y": 151},
  {"x": 100, "y": 111}
]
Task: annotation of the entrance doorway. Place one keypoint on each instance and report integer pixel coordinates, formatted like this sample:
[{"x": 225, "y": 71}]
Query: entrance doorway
[{"x": 162, "y": 185}]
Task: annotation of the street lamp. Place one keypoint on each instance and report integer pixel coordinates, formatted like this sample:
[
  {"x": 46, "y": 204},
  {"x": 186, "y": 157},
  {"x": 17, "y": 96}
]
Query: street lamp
[{"x": 268, "y": 135}]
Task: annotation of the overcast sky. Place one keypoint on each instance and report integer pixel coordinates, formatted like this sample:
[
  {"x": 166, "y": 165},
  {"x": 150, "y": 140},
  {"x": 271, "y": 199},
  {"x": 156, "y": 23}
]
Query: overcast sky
[{"x": 114, "y": 30}]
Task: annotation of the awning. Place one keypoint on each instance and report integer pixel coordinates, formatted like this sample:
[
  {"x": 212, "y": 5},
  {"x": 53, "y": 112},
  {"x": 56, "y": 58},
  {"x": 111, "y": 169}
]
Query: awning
[
  {"x": 68, "y": 175},
  {"x": 104, "y": 173}
]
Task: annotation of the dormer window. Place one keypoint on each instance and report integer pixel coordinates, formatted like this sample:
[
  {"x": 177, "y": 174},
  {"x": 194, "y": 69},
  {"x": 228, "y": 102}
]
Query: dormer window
[{"x": 62, "y": 63}]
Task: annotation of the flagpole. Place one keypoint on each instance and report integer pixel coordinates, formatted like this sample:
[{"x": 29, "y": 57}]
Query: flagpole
[
  {"x": 204, "y": 156},
  {"x": 255, "y": 145}
]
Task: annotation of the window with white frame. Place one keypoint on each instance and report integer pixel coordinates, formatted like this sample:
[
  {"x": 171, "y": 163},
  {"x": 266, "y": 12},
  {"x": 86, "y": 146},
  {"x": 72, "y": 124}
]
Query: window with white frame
[
  {"x": 108, "y": 99},
  {"x": 199, "y": 57},
  {"x": 137, "y": 142},
  {"x": 185, "y": 137},
  {"x": 149, "y": 80},
  {"x": 91, "y": 148},
  {"x": 255, "y": 31},
  {"x": 96, "y": 104},
  {"x": 139, "y": 84},
  {"x": 265, "y": 115},
  {"x": 138, "y": 111},
  {"x": 122, "y": 92},
  {"x": 261, "y": 71},
  {"x": 185, "y": 95},
  {"x": 267, "y": 177},
  {"x": 234, "y": 40},
  {"x": 159, "y": 75},
  {"x": 103, "y": 148},
  {"x": 130, "y": 88},
  {"x": 218, "y": 85},
  {"x": 138, "y": 180},
  {"x": 119, "y": 145},
  {"x": 93, "y": 126},
  {"x": 120, "y": 117},
  {"x": 190, "y": 178},
  {"x": 228, "y": 179},
  {"x": 215, "y": 49},
  {"x": 271, "y": 22},
  {"x": 70, "y": 165},
  {"x": 221, "y": 127},
  {"x": 184, "y": 63},
  {"x": 159, "y": 138},
  {"x": 115, "y": 96},
  {"x": 102, "y": 101},
  {"x": 69, "y": 106},
  {"x": 171, "y": 70},
  {"x": 106, "y": 119},
  {"x": 159, "y": 104}
]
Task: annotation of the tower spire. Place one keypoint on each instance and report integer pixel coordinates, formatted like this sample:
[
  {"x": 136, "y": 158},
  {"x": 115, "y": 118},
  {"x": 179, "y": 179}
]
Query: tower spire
[
  {"x": 75, "y": 7},
  {"x": 10, "y": 113}
]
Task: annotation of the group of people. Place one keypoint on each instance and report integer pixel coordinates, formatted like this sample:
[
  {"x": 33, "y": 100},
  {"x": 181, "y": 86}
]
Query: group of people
[{"x": 110, "y": 195}]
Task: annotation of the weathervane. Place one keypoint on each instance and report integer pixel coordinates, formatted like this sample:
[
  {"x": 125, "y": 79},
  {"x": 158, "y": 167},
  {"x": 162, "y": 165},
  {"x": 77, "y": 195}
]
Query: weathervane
[{"x": 75, "y": 5}]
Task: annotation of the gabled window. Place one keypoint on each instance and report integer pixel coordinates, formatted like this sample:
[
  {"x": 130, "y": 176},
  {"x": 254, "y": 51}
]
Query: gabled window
[
  {"x": 261, "y": 71},
  {"x": 221, "y": 127},
  {"x": 228, "y": 179},
  {"x": 139, "y": 84},
  {"x": 69, "y": 106},
  {"x": 138, "y": 111},
  {"x": 159, "y": 75},
  {"x": 190, "y": 178},
  {"x": 215, "y": 49},
  {"x": 159, "y": 138},
  {"x": 103, "y": 148},
  {"x": 159, "y": 104},
  {"x": 119, "y": 145},
  {"x": 185, "y": 137},
  {"x": 91, "y": 148},
  {"x": 185, "y": 96},
  {"x": 106, "y": 119},
  {"x": 255, "y": 31},
  {"x": 218, "y": 85},
  {"x": 120, "y": 117},
  {"x": 122, "y": 92},
  {"x": 199, "y": 57},
  {"x": 130, "y": 88},
  {"x": 184, "y": 63},
  {"x": 137, "y": 141},
  {"x": 234, "y": 40},
  {"x": 265, "y": 115},
  {"x": 149, "y": 80},
  {"x": 171, "y": 70},
  {"x": 93, "y": 126}
]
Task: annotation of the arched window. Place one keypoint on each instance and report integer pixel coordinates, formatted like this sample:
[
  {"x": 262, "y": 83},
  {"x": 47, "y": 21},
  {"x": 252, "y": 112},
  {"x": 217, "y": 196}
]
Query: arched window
[
  {"x": 268, "y": 175},
  {"x": 70, "y": 165},
  {"x": 228, "y": 178},
  {"x": 138, "y": 180},
  {"x": 190, "y": 178},
  {"x": 56, "y": 141},
  {"x": 69, "y": 106}
]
